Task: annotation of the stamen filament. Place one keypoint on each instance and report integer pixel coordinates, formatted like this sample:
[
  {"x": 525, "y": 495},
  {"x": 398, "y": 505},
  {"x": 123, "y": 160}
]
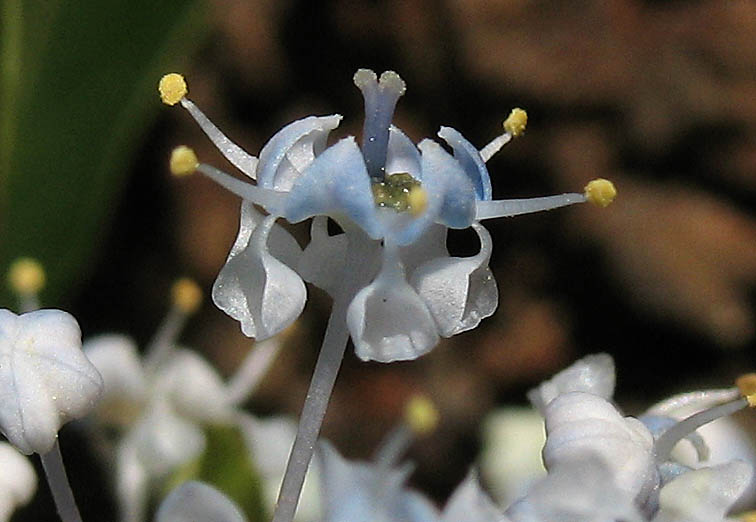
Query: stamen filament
[
  {"x": 232, "y": 152},
  {"x": 495, "y": 146},
  {"x": 515, "y": 207},
  {"x": 268, "y": 199},
  {"x": 667, "y": 441},
  {"x": 252, "y": 370}
]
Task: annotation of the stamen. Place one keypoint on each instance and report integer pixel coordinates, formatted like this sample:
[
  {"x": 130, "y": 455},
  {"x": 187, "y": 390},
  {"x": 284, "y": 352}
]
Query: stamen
[
  {"x": 186, "y": 298},
  {"x": 417, "y": 199},
  {"x": 514, "y": 127},
  {"x": 270, "y": 200},
  {"x": 601, "y": 192},
  {"x": 420, "y": 419},
  {"x": 380, "y": 97},
  {"x": 172, "y": 88},
  {"x": 238, "y": 157},
  {"x": 183, "y": 161},
  {"x": 667, "y": 441},
  {"x": 26, "y": 278},
  {"x": 516, "y": 207}
]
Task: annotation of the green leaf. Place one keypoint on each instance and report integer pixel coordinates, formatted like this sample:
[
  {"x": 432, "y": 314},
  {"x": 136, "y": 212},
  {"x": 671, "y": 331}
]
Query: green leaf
[{"x": 77, "y": 92}]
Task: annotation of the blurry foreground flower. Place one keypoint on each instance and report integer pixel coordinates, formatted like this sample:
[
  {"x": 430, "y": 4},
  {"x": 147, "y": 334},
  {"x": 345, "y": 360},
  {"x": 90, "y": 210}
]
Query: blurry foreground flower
[
  {"x": 198, "y": 502},
  {"x": 158, "y": 405},
  {"x": 18, "y": 481},
  {"x": 603, "y": 466},
  {"x": 396, "y": 289},
  {"x": 45, "y": 380}
]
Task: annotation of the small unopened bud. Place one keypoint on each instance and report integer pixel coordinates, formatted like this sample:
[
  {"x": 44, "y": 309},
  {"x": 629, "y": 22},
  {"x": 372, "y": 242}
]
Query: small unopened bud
[
  {"x": 183, "y": 161},
  {"x": 172, "y": 88},
  {"x": 516, "y": 122},
  {"x": 26, "y": 276},
  {"x": 421, "y": 415},
  {"x": 601, "y": 192},
  {"x": 186, "y": 295}
]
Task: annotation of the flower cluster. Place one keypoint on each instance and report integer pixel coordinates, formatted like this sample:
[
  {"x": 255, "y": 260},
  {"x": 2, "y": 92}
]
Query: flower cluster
[{"x": 394, "y": 201}]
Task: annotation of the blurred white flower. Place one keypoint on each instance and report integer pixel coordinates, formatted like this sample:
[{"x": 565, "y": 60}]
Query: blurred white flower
[
  {"x": 45, "y": 379},
  {"x": 18, "y": 481},
  {"x": 198, "y": 502}
]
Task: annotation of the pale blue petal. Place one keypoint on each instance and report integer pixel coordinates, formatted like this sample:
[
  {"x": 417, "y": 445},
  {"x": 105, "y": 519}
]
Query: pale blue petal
[
  {"x": 292, "y": 149},
  {"x": 469, "y": 157},
  {"x": 198, "y": 502},
  {"x": 470, "y": 503},
  {"x": 402, "y": 155},
  {"x": 336, "y": 184}
]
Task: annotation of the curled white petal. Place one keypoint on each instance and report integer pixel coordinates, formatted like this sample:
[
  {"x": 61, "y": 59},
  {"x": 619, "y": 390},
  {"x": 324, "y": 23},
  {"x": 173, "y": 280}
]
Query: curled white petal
[
  {"x": 198, "y": 502},
  {"x": 387, "y": 319},
  {"x": 459, "y": 292},
  {"x": 45, "y": 379},
  {"x": 255, "y": 286},
  {"x": 117, "y": 359},
  {"x": 704, "y": 495},
  {"x": 322, "y": 261},
  {"x": 592, "y": 374},
  {"x": 579, "y": 424},
  {"x": 18, "y": 481},
  {"x": 291, "y": 150}
]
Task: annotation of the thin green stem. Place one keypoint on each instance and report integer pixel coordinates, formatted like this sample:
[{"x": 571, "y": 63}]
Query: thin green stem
[{"x": 57, "y": 479}]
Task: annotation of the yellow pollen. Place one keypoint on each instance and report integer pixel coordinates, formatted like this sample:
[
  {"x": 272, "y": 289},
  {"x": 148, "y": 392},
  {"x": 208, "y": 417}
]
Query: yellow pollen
[
  {"x": 516, "y": 122},
  {"x": 600, "y": 192},
  {"x": 421, "y": 415},
  {"x": 417, "y": 199},
  {"x": 747, "y": 386},
  {"x": 172, "y": 88},
  {"x": 186, "y": 295},
  {"x": 26, "y": 276},
  {"x": 749, "y": 516},
  {"x": 183, "y": 161}
]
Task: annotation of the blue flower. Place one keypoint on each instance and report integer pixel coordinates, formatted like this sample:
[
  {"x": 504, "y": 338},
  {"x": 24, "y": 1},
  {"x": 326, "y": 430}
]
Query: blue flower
[{"x": 395, "y": 202}]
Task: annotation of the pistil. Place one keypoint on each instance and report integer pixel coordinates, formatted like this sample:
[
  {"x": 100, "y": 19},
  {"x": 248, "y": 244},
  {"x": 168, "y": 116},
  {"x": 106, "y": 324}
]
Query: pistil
[{"x": 380, "y": 97}]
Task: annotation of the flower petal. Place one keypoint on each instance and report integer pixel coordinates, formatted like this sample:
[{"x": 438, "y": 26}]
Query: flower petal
[
  {"x": 459, "y": 292},
  {"x": 291, "y": 150},
  {"x": 472, "y": 163},
  {"x": 592, "y": 374},
  {"x": 703, "y": 495},
  {"x": 387, "y": 319},
  {"x": 45, "y": 379},
  {"x": 470, "y": 503},
  {"x": 18, "y": 481},
  {"x": 198, "y": 502},
  {"x": 578, "y": 424},
  {"x": 336, "y": 184},
  {"x": 195, "y": 388},
  {"x": 116, "y": 357},
  {"x": 322, "y": 261},
  {"x": 254, "y": 287},
  {"x": 402, "y": 155}
]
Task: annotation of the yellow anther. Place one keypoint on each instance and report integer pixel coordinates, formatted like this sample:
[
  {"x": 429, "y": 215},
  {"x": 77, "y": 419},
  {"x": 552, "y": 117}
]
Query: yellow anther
[
  {"x": 749, "y": 516},
  {"x": 421, "y": 415},
  {"x": 747, "y": 386},
  {"x": 26, "y": 276},
  {"x": 600, "y": 192},
  {"x": 183, "y": 161},
  {"x": 172, "y": 88},
  {"x": 187, "y": 295},
  {"x": 516, "y": 122},
  {"x": 417, "y": 199}
]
